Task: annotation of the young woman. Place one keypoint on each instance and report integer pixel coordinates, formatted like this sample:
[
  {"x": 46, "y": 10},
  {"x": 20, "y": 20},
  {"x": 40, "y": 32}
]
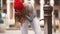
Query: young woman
[
  {"x": 19, "y": 12},
  {"x": 27, "y": 15}
]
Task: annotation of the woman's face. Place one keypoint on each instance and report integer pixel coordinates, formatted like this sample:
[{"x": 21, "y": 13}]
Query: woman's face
[{"x": 18, "y": 11}]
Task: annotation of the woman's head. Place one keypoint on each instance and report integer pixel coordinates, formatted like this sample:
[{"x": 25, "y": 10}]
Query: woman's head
[{"x": 18, "y": 4}]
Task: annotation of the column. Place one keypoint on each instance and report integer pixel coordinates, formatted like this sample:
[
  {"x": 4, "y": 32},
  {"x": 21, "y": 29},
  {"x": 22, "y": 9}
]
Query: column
[
  {"x": 8, "y": 11},
  {"x": 59, "y": 20},
  {"x": 41, "y": 9}
]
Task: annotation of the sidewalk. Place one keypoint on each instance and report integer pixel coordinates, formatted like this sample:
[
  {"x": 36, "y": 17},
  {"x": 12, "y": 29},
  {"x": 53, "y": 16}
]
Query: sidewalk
[{"x": 19, "y": 32}]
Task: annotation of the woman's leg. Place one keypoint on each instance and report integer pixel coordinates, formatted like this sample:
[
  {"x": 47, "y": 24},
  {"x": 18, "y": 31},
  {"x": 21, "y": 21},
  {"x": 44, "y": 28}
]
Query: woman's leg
[
  {"x": 24, "y": 28},
  {"x": 36, "y": 26}
]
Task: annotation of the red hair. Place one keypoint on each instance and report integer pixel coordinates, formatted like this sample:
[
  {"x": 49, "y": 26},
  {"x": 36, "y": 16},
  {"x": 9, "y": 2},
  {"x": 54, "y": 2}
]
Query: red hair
[{"x": 18, "y": 4}]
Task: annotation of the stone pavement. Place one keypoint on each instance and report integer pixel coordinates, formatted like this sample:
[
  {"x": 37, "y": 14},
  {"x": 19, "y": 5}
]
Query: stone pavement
[{"x": 19, "y": 32}]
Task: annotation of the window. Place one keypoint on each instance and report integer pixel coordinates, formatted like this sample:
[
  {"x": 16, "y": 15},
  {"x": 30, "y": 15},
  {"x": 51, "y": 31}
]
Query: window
[
  {"x": 56, "y": 13},
  {"x": 0, "y": 4},
  {"x": 37, "y": 1},
  {"x": 56, "y": 2},
  {"x": 5, "y": 11},
  {"x": 38, "y": 13},
  {"x": 23, "y": 1},
  {"x": 4, "y": 1},
  {"x": 4, "y": 6}
]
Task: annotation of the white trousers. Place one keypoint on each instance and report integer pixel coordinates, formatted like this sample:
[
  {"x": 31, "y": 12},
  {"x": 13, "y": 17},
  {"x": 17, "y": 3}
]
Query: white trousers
[{"x": 35, "y": 25}]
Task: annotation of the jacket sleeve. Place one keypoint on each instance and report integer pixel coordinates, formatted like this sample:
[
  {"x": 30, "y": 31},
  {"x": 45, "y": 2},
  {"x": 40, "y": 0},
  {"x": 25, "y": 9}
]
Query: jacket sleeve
[
  {"x": 29, "y": 18},
  {"x": 30, "y": 13}
]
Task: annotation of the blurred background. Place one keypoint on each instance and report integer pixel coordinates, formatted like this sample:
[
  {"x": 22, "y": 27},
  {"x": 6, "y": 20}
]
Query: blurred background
[{"x": 7, "y": 21}]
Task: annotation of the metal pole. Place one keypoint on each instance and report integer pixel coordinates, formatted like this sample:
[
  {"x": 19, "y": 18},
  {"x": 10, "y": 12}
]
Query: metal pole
[{"x": 47, "y": 17}]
